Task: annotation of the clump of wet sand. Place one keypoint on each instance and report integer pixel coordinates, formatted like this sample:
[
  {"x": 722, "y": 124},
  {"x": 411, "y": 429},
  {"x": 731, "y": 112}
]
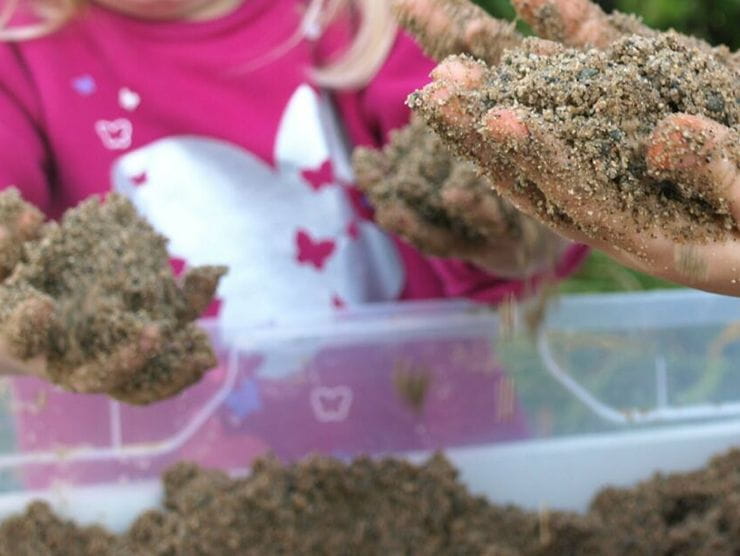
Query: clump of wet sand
[
  {"x": 603, "y": 105},
  {"x": 389, "y": 506}
]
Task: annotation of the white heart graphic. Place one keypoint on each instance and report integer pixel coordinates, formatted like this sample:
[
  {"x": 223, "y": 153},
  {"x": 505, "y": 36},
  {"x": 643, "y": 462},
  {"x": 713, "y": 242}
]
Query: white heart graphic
[
  {"x": 331, "y": 405},
  {"x": 116, "y": 135},
  {"x": 252, "y": 229},
  {"x": 128, "y": 99}
]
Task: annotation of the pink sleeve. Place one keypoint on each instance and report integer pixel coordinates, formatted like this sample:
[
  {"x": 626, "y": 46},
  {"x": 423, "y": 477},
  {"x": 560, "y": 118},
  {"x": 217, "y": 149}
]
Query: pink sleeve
[
  {"x": 370, "y": 115},
  {"x": 24, "y": 160}
]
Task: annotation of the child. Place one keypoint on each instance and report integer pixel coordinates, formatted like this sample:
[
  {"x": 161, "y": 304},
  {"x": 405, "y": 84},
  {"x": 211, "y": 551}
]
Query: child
[
  {"x": 228, "y": 124},
  {"x": 214, "y": 127}
]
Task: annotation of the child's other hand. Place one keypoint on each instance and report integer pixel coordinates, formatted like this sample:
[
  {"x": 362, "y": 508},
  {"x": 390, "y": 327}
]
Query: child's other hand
[
  {"x": 93, "y": 306},
  {"x": 445, "y": 208},
  {"x": 421, "y": 192}
]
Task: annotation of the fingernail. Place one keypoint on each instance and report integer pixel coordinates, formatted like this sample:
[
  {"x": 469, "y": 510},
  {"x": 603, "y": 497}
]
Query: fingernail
[{"x": 669, "y": 147}]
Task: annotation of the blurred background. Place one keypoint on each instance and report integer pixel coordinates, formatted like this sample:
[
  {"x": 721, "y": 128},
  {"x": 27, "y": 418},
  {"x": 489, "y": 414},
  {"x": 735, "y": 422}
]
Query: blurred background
[{"x": 714, "y": 20}]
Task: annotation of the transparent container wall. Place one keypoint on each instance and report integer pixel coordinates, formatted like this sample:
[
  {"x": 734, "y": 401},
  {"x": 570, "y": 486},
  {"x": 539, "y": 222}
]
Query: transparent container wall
[{"x": 395, "y": 379}]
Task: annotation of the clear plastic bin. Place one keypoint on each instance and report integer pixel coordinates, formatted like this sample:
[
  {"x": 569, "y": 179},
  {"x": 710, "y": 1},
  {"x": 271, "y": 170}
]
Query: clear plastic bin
[{"x": 611, "y": 389}]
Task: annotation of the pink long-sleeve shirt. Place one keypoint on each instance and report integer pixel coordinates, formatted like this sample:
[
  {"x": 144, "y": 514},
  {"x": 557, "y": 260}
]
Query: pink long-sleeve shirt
[{"x": 215, "y": 132}]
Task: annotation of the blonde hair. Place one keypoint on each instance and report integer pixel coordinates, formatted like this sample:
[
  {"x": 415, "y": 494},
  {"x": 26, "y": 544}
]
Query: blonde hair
[{"x": 363, "y": 58}]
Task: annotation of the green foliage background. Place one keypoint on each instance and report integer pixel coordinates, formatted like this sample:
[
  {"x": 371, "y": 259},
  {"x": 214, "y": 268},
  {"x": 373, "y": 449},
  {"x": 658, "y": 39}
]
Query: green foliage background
[{"x": 714, "y": 20}]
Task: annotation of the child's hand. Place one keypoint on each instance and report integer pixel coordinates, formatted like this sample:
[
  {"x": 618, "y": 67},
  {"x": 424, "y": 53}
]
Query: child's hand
[
  {"x": 423, "y": 193},
  {"x": 659, "y": 190},
  {"x": 92, "y": 306},
  {"x": 445, "y": 208}
]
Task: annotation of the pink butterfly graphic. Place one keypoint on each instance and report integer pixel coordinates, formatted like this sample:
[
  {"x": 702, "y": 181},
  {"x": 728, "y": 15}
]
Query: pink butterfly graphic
[
  {"x": 140, "y": 179},
  {"x": 313, "y": 252},
  {"x": 322, "y": 177}
]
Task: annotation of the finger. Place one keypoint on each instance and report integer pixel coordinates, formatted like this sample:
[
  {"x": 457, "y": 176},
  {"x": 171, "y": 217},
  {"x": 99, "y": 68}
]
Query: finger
[
  {"x": 371, "y": 168},
  {"x": 199, "y": 286},
  {"x": 502, "y": 255},
  {"x": 542, "y": 47},
  {"x": 701, "y": 157},
  {"x": 405, "y": 221},
  {"x": 571, "y": 22},
  {"x": 476, "y": 203},
  {"x": 117, "y": 368},
  {"x": 536, "y": 250},
  {"x": 444, "y": 105},
  {"x": 18, "y": 218},
  {"x": 29, "y": 223},
  {"x": 26, "y": 330},
  {"x": 446, "y": 27},
  {"x": 461, "y": 72},
  {"x": 503, "y": 225},
  {"x": 479, "y": 207}
]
